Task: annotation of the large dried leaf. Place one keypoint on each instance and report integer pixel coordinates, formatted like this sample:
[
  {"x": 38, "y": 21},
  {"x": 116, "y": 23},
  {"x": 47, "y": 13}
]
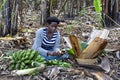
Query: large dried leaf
[
  {"x": 101, "y": 76},
  {"x": 92, "y": 67},
  {"x": 105, "y": 64},
  {"x": 23, "y": 29},
  {"x": 118, "y": 54},
  {"x": 94, "y": 34},
  {"x": 53, "y": 73},
  {"x": 94, "y": 48},
  {"x": 86, "y": 61},
  {"x": 9, "y": 38},
  {"x": 67, "y": 40},
  {"x": 75, "y": 44}
]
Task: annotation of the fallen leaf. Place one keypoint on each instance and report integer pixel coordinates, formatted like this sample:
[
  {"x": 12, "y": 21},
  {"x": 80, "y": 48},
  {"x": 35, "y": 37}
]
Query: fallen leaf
[
  {"x": 86, "y": 61},
  {"x": 101, "y": 76},
  {"x": 105, "y": 64},
  {"x": 118, "y": 54}
]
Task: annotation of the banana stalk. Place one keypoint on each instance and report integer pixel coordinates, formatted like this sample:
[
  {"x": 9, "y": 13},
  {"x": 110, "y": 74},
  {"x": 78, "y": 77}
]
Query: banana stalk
[{"x": 28, "y": 71}]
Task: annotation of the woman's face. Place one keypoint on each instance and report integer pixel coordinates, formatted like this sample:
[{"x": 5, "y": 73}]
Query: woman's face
[{"x": 52, "y": 27}]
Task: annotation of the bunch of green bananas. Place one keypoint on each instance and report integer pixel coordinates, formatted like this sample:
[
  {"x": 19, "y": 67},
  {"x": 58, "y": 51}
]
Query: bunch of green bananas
[
  {"x": 58, "y": 63},
  {"x": 23, "y": 59}
]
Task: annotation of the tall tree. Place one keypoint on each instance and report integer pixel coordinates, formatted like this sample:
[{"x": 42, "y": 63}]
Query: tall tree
[
  {"x": 111, "y": 12},
  {"x": 43, "y": 12},
  {"x": 7, "y": 18},
  {"x": 10, "y": 17},
  {"x": 1, "y": 19},
  {"x": 14, "y": 17}
]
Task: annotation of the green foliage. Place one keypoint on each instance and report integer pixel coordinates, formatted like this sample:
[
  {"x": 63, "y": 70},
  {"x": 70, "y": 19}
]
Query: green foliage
[
  {"x": 83, "y": 12},
  {"x": 99, "y": 19},
  {"x": 83, "y": 45},
  {"x": 70, "y": 26},
  {"x": 98, "y": 9},
  {"x": 54, "y": 3},
  {"x": 9, "y": 53},
  {"x": 97, "y": 5},
  {"x": 104, "y": 52},
  {"x": 70, "y": 51},
  {"x": 2, "y": 4}
]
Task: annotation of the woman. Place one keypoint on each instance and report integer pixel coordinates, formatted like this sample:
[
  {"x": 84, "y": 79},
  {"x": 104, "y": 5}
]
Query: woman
[{"x": 48, "y": 39}]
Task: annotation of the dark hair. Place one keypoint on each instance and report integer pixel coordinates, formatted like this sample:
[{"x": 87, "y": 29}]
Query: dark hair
[{"x": 52, "y": 19}]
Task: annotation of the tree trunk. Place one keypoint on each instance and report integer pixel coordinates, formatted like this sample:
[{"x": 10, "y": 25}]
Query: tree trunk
[
  {"x": 111, "y": 12},
  {"x": 14, "y": 17},
  {"x": 114, "y": 10},
  {"x": 119, "y": 5},
  {"x": 7, "y": 18},
  {"x": 84, "y": 3},
  {"x": 61, "y": 8},
  {"x": 10, "y": 17},
  {"x": 78, "y": 6},
  {"x": 70, "y": 13},
  {"x": 50, "y": 6},
  {"x": 1, "y": 20},
  {"x": 48, "y": 9},
  {"x": 20, "y": 8},
  {"x": 43, "y": 12}
]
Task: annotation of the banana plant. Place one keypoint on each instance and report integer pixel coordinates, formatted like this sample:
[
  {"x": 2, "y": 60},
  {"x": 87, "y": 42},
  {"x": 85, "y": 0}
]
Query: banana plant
[
  {"x": 97, "y": 5},
  {"x": 98, "y": 9}
]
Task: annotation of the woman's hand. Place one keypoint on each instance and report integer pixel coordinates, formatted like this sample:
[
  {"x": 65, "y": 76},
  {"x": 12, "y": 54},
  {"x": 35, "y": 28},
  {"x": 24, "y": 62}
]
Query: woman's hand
[
  {"x": 58, "y": 53},
  {"x": 53, "y": 53}
]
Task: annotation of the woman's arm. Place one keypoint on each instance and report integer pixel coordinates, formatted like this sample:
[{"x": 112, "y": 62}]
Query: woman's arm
[
  {"x": 57, "y": 43},
  {"x": 38, "y": 42}
]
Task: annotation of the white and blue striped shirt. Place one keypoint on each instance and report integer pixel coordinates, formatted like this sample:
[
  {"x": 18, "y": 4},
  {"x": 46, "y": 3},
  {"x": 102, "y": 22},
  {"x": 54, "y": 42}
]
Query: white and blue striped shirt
[
  {"x": 43, "y": 45},
  {"x": 48, "y": 44}
]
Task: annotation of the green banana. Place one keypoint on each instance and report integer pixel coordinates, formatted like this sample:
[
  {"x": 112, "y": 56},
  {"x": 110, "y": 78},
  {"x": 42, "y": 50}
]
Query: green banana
[
  {"x": 13, "y": 57},
  {"x": 32, "y": 55},
  {"x": 41, "y": 60},
  {"x": 22, "y": 53},
  {"x": 12, "y": 66},
  {"x": 27, "y": 61}
]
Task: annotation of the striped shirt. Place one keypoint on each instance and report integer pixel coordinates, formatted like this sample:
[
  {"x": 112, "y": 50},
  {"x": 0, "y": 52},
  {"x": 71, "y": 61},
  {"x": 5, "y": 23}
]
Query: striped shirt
[
  {"x": 48, "y": 44},
  {"x": 38, "y": 42}
]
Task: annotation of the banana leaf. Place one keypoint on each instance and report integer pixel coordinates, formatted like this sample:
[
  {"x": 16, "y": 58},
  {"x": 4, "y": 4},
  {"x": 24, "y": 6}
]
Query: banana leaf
[{"x": 83, "y": 45}]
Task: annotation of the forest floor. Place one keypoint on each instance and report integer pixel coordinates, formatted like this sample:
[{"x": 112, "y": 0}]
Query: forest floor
[{"x": 83, "y": 31}]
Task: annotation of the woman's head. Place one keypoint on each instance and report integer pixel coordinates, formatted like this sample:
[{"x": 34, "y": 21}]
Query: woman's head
[
  {"x": 53, "y": 23},
  {"x": 53, "y": 19}
]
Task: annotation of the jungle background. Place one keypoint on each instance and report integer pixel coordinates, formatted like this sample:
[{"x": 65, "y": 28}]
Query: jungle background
[{"x": 22, "y": 18}]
